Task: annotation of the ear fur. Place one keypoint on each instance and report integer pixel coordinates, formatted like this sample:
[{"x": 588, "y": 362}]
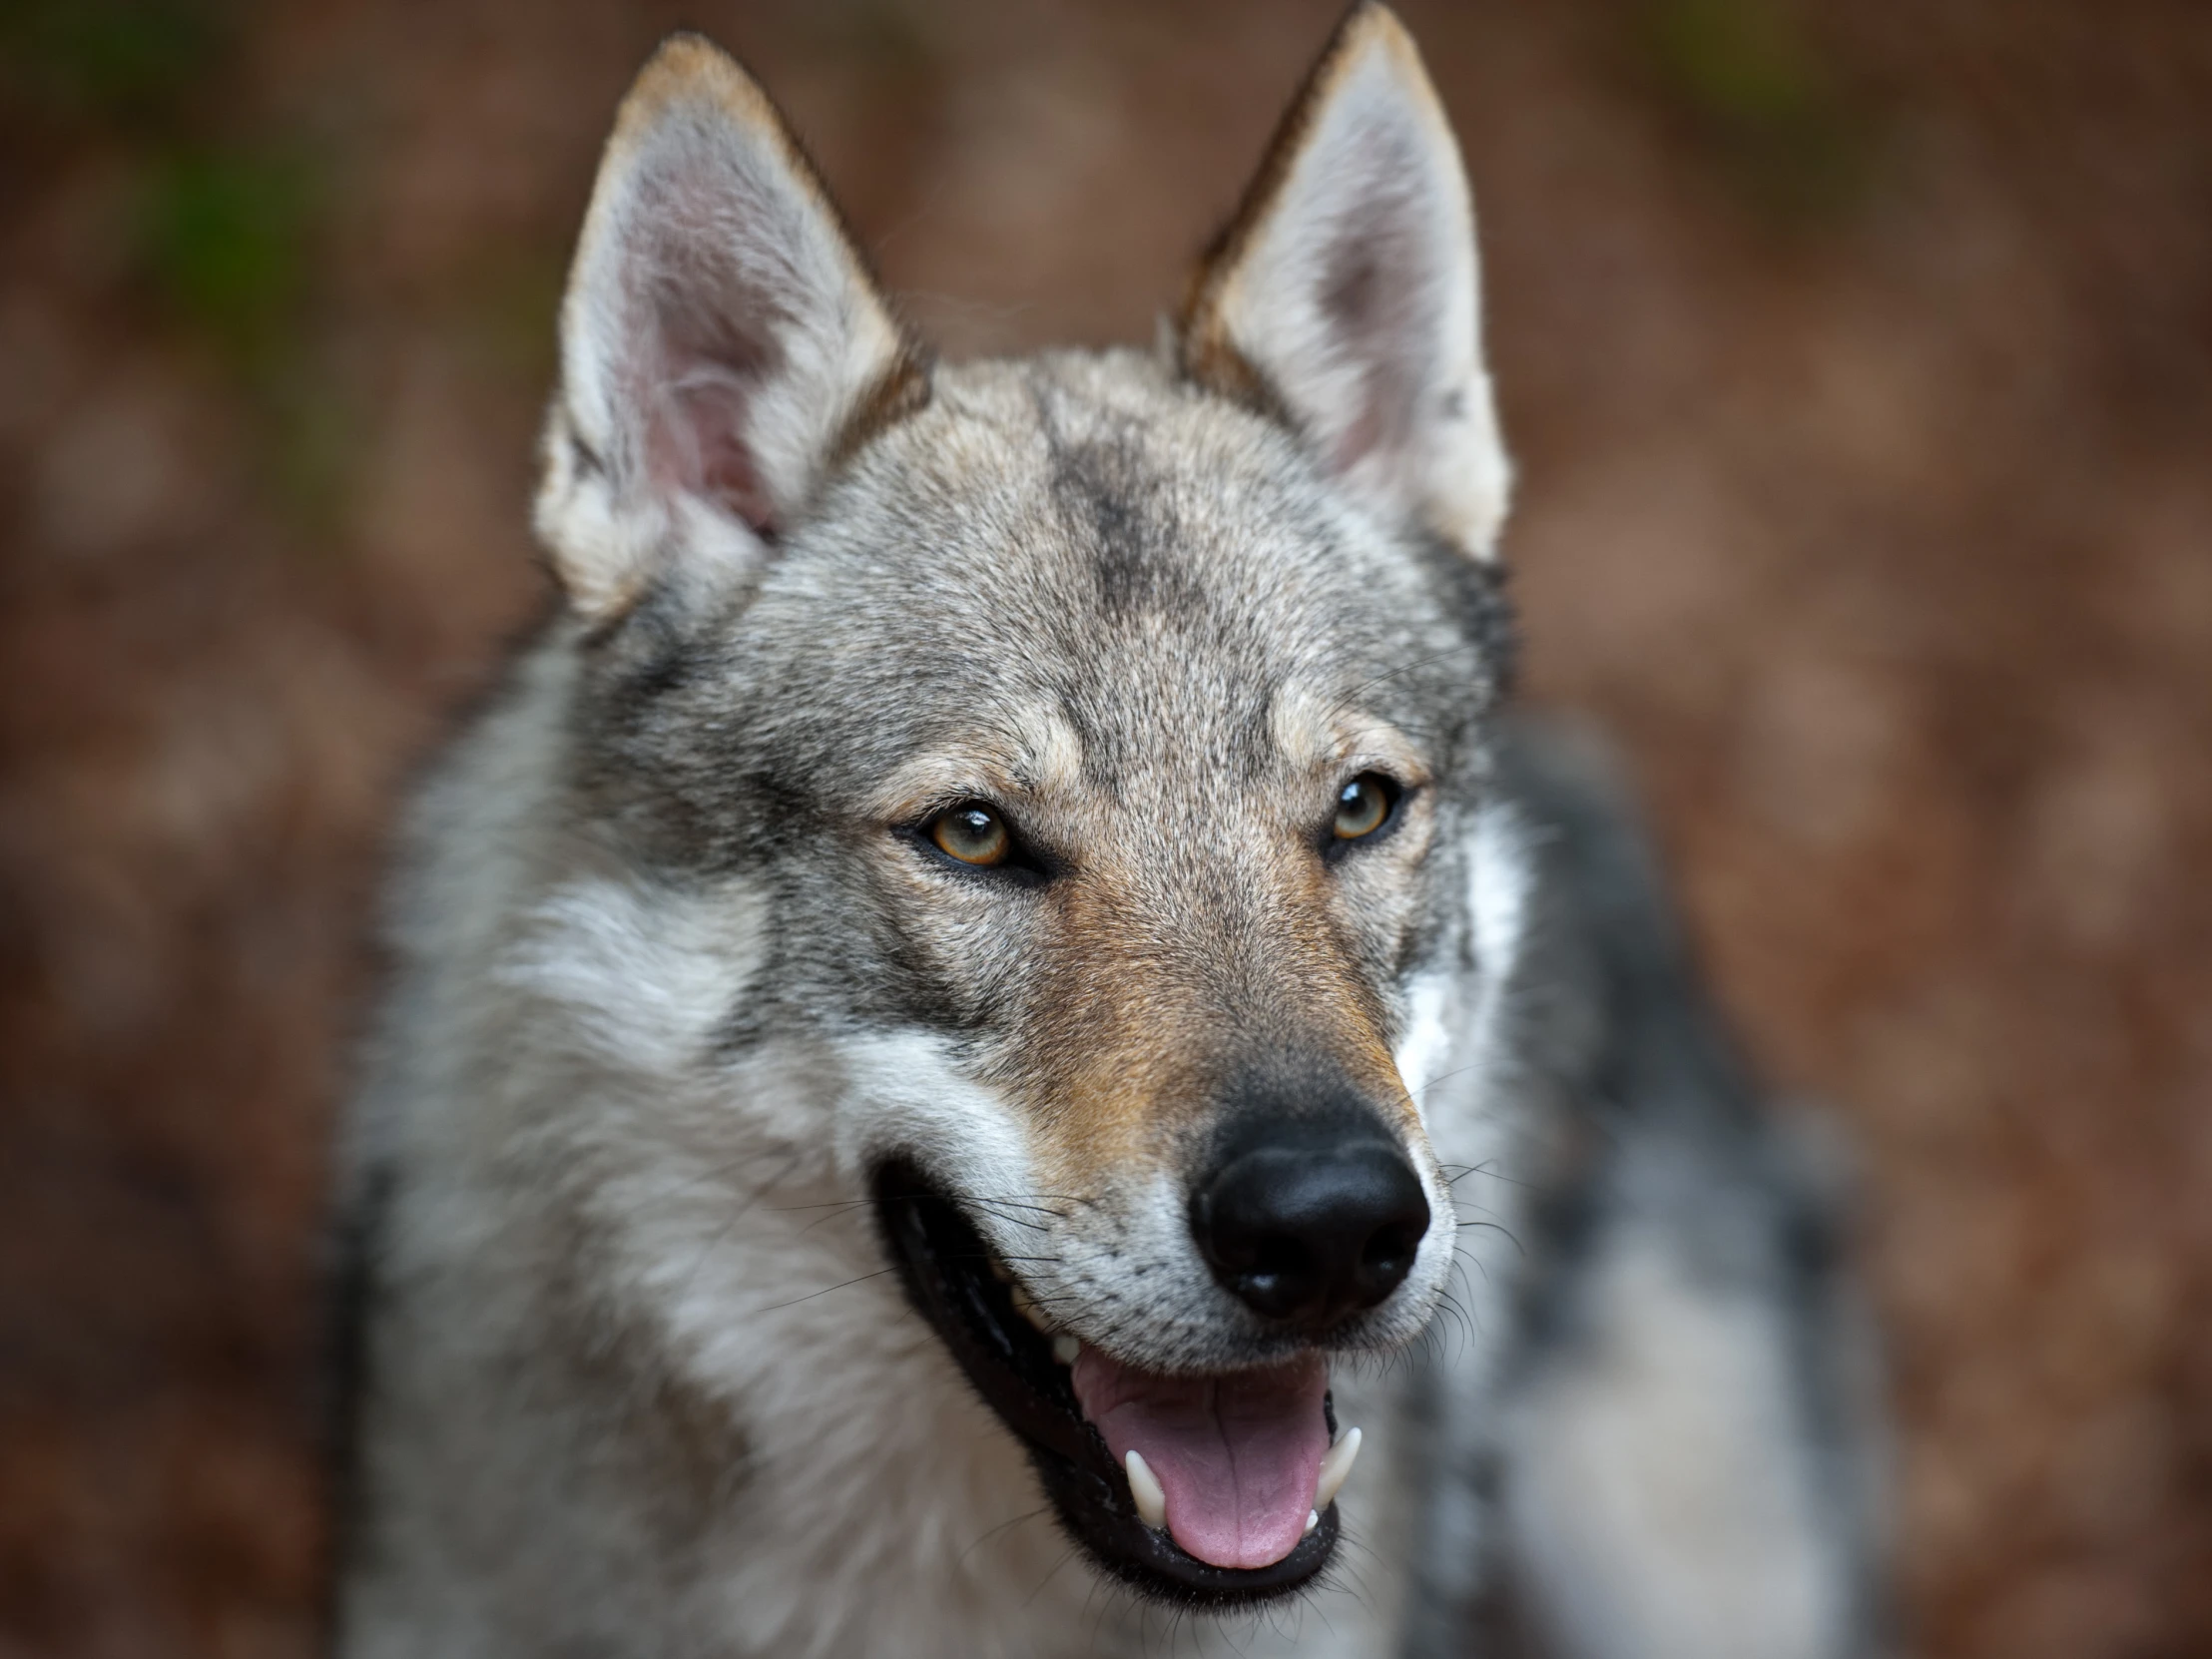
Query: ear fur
[
  {"x": 722, "y": 344},
  {"x": 1342, "y": 295}
]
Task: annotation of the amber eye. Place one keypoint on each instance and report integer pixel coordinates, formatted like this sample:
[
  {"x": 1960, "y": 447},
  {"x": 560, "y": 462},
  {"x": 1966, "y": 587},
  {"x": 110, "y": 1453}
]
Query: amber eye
[
  {"x": 972, "y": 832},
  {"x": 1364, "y": 806}
]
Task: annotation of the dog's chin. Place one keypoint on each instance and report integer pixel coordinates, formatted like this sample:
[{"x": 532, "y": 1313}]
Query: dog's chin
[{"x": 965, "y": 1294}]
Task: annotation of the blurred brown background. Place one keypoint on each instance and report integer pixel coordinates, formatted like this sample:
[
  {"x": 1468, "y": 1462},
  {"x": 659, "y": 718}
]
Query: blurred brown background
[{"x": 1859, "y": 358}]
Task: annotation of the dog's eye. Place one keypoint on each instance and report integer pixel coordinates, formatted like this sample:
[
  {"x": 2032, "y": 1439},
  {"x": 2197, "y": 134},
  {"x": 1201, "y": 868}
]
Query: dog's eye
[
  {"x": 1364, "y": 806},
  {"x": 972, "y": 832}
]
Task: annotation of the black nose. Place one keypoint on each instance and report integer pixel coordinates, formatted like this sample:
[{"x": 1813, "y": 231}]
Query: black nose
[{"x": 1310, "y": 1221}]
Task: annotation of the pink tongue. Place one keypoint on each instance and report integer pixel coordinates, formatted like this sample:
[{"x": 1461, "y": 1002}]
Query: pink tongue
[{"x": 1236, "y": 1455}]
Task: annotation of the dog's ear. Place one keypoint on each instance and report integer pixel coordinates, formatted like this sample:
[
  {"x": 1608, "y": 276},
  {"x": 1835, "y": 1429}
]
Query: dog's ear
[
  {"x": 722, "y": 344},
  {"x": 1342, "y": 298}
]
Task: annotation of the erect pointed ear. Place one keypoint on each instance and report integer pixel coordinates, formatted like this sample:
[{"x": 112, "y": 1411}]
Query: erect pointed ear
[
  {"x": 1343, "y": 297},
  {"x": 721, "y": 345}
]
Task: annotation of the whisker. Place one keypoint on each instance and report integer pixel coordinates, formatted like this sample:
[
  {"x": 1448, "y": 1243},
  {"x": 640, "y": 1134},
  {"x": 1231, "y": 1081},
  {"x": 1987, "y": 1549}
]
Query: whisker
[
  {"x": 1497, "y": 1227},
  {"x": 722, "y": 1234},
  {"x": 824, "y": 1291},
  {"x": 1003, "y": 1525},
  {"x": 1067, "y": 1556}
]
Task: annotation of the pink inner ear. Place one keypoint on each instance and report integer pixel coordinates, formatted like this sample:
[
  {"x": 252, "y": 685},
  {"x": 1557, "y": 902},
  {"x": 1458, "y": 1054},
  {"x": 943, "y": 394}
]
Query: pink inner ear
[
  {"x": 697, "y": 444},
  {"x": 1375, "y": 290},
  {"x": 701, "y": 324}
]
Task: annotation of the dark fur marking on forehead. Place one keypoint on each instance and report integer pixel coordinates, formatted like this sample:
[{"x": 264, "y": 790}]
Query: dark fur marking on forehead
[{"x": 1111, "y": 502}]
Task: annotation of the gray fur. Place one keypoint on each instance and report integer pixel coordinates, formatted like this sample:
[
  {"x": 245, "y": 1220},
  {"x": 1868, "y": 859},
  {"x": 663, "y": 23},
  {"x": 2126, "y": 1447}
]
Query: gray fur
[{"x": 674, "y": 970}]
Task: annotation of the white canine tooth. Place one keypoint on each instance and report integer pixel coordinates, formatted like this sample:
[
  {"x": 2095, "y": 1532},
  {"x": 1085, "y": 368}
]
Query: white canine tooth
[
  {"x": 1026, "y": 1307},
  {"x": 1065, "y": 1347},
  {"x": 1144, "y": 1486},
  {"x": 1313, "y": 1519},
  {"x": 1335, "y": 1468}
]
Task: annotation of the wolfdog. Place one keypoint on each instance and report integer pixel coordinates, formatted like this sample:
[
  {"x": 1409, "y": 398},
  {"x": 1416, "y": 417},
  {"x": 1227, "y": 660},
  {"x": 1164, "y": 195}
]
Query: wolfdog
[{"x": 1000, "y": 1046}]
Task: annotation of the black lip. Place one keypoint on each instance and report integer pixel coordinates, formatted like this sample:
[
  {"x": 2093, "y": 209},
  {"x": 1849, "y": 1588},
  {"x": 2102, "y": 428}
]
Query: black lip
[{"x": 945, "y": 1266}]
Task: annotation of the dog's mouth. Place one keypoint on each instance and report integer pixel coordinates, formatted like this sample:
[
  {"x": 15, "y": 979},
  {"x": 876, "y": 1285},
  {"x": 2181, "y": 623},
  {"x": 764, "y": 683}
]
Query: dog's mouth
[{"x": 1212, "y": 1491}]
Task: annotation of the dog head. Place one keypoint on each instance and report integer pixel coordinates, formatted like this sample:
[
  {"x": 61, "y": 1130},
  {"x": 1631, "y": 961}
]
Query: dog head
[{"x": 1103, "y": 734}]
